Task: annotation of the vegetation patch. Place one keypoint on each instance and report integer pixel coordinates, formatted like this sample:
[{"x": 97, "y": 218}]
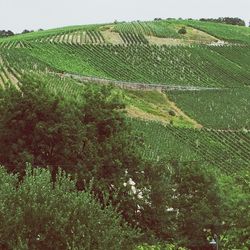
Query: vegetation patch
[{"x": 153, "y": 105}]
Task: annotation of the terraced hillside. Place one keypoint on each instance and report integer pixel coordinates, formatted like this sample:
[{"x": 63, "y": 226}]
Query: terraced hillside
[{"x": 203, "y": 113}]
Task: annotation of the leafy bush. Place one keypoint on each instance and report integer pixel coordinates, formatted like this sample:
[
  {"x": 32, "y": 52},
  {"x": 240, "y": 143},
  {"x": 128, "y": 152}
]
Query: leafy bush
[
  {"x": 37, "y": 214},
  {"x": 172, "y": 113},
  {"x": 182, "y": 31}
]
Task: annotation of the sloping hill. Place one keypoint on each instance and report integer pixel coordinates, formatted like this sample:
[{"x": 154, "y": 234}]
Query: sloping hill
[{"x": 208, "y": 67}]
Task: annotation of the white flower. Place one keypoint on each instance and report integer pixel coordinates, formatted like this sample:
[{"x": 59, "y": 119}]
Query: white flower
[{"x": 131, "y": 182}]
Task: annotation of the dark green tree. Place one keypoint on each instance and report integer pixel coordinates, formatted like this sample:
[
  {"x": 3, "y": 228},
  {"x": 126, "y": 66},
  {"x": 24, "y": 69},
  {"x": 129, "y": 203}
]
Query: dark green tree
[
  {"x": 90, "y": 139},
  {"x": 236, "y": 211},
  {"x": 38, "y": 127},
  {"x": 197, "y": 202},
  {"x": 185, "y": 204}
]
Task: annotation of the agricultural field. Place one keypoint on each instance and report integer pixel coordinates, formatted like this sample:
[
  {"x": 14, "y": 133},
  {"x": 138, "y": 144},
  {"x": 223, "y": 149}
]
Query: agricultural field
[
  {"x": 227, "y": 150},
  {"x": 217, "y": 109},
  {"x": 176, "y": 65},
  {"x": 152, "y": 53}
]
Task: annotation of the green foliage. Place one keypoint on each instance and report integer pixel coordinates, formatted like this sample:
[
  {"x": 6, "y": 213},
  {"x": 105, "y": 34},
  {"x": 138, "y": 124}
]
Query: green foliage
[
  {"x": 89, "y": 138},
  {"x": 226, "y": 20},
  {"x": 57, "y": 123},
  {"x": 185, "y": 203},
  {"x": 38, "y": 214},
  {"x": 182, "y": 31},
  {"x": 37, "y": 127},
  {"x": 236, "y": 211},
  {"x": 197, "y": 203}
]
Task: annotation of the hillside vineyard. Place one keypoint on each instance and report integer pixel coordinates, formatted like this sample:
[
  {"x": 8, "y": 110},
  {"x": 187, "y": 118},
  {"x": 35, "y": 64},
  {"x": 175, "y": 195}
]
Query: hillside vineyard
[{"x": 208, "y": 67}]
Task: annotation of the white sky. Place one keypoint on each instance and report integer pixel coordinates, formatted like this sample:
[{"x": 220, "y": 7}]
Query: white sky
[{"x": 18, "y": 15}]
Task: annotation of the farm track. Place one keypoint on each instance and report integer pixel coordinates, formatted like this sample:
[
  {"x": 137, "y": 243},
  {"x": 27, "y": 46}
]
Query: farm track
[{"x": 135, "y": 85}]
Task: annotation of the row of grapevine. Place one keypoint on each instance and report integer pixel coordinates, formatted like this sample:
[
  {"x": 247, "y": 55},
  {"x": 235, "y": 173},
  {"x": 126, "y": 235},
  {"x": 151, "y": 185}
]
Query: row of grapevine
[
  {"x": 178, "y": 65},
  {"x": 58, "y": 85},
  {"x": 95, "y": 37},
  {"x": 12, "y": 73},
  {"x": 74, "y": 37},
  {"x": 161, "y": 144},
  {"x": 133, "y": 38},
  {"x": 230, "y": 151},
  {"x": 8, "y": 75},
  {"x": 13, "y": 44},
  {"x": 164, "y": 29},
  {"x": 134, "y": 27},
  {"x": 219, "y": 109},
  {"x": 66, "y": 58},
  {"x": 236, "y": 54}
]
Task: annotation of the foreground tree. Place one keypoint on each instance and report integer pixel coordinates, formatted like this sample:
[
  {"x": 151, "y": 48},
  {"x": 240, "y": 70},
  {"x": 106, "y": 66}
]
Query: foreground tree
[
  {"x": 90, "y": 139},
  {"x": 37, "y": 127},
  {"x": 186, "y": 204},
  {"x": 197, "y": 200},
  {"x": 236, "y": 211},
  {"x": 39, "y": 214}
]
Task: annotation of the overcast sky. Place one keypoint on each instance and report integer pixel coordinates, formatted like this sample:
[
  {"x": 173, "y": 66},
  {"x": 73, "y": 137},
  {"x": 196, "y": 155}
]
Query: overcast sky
[{"x": 18, "y": 15}]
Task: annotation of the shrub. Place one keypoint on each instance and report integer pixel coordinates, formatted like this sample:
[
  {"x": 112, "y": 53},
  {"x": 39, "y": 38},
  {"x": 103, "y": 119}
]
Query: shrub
[
  {"x": 37, "y": 214},
  {"x": 182, "y": 31},
  {"x": 172, "y": 113}
]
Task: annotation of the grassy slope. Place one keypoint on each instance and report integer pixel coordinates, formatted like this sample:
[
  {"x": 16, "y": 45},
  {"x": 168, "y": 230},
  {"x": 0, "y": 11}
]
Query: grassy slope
[
  {"x": 226, "y": 32},
  {"x": 155, "y": 106}
]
